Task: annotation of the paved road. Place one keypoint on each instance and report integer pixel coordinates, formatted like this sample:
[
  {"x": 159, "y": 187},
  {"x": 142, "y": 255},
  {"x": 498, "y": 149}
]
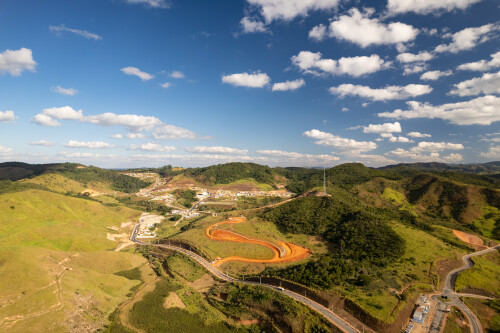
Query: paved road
[
  {"x": 328, "y": 314},
  {"x": 449, "y": 291}
]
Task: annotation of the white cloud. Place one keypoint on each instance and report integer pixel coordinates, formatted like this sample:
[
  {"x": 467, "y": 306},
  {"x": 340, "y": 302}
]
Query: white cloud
[
  {"x": 328, "y": 139},
  {"x": 359, "y": 28},
  {"x": 482, "y": 65},
  {"x": 479, "y": 111},
  {"x": 131, "y": 121},
  {"x": 117, "y": 136},
  {"x": 318, "y": 32},
  {"x": 383, "y": 128},
  {"x": 467, "y": 38},
  {"x": 84, "y": 33},
  {"x": 381, "y": 94},
  {"x": 151, "y": 146},
  {"x": 42, "y": 143},
  {"x": 89, "y": 144},
  {"x": 414, "y": 68},
  {"x": 44, "y": 120},
  {"x": 134, "y": 135},
  {"x": 171, "y": 132},
  {"x": 151, "y": 3},
  {"x": 434, "y": 75},
  {"x": 64, "y": 91},
  {"x": 410, "y": 57},
  {"x": 310, "y": 62},
  {"x": 64, "y": 154},
  {"x": 345, "y": 109},
  {"x": 215, "y": 150},
  {"x": 419, "y": 135},
  {"x": 432, "y": 157},
  {"x": 137, "y": 72},
  {"x": 250, "y": 26},
  {"x": 400, "y": 139},
  {"x": 493, "y": 152},
  {"x": 15, "y": 62},
  {"x": 252, "y": 80},
  {"x": 427, "y": 6},
  {"x": 289, "y": 9},
  {"x": 5, "y": 150},
  {"x": 436, "y": 146},
  {"x": 289, "y": 85},
  {"x": 297, "y": 156},
  {"x": 177, "y": 75},
  {"x": 165, "y": 85},
  {"x": 372, "y": 159},
  {"x": 7, "y": 116},
  {"x": 489, "y": 83}
]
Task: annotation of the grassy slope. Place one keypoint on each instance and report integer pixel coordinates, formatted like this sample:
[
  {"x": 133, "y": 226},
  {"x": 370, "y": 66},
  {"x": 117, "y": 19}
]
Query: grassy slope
[
  {"x": 56, "y": 183},
  {"x": 44, "y": 234},
  {"x": 485, "y": 275}
]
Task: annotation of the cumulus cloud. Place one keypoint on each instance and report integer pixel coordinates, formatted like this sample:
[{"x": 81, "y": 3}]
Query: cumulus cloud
[
  {"x": 58, "y": 30},
  {"x": 381, "y": 94},
  {"x": 357, "y": 27},
  {"x": 215, "y": 150},
  {"x": 137, "y": 72},
  {"x": 117, "y": 136},
  {"x": 436, "y": 146},
  {"x": 165, "y": 85},
  {"x": 289, "y": 9},
  {"x": 151, "y": 3},
  {"x": 489, "y": 83},
  {"x": 5, "y": 150},
  {"x": 383, "y": 128},
  {"x": 328, "y": 139},
  {"x": 250, "y": 26},
  {"x": 418, "y": 135},
  {"x": 427, "y": 6},
  {"x": 131, "y": 121},
  {"x": 135, "y": 135},
  {"x": 493, "y": 152},
  {"x": 296, "y": 156},
  {"x": 7, "y": 116},
  {"x": 289, "y": 85},
  {"x": 482, "y": 65},
  {"x": 251, "y": 80},
  {"x": 89, "y": 144},
  {"x": 171, "y": 132},
  {"x": 64, "y": 91},
  {"x": 44, "y": 120},
  {"x": 177, "y": 75},
  {"x": 63, "y": 113},
  {"x": 432, "y": 157},
  {"x": 42, "y": 143},
  {"x": 414, "y": 68},
  {"x": 64, "y": 154},
  {"x": 434, "y": 75},
  {"x": 478, "y": 111},
  {"x": 410, "y": 57},
  {"x": 400, "y": 139},
  {"x": 313, "y": 63},
  {"x": 318, "y": 32},
  {"x": 15, "y": 62},
  {"x": 151, "y": 146},
  {"x": 467, "y": 38}
]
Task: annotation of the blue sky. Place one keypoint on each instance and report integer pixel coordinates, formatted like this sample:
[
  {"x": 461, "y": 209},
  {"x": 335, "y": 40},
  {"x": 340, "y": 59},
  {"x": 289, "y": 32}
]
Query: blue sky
[{"x": 122, "y": 83}]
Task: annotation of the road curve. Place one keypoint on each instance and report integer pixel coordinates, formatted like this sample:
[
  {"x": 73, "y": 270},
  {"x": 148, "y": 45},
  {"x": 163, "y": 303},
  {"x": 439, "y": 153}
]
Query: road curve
[
  {"x": 449, "y": 288},
  {"x": 327, "y": 313}
]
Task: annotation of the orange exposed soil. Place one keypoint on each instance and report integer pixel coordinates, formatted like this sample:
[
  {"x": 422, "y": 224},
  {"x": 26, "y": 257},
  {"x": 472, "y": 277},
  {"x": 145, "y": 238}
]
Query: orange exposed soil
[
  {"x": 475, "y": 241},
  {"x": 283, "y": 252}
]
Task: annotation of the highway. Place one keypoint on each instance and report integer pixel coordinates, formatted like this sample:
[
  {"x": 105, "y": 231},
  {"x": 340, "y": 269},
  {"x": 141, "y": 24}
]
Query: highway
[
  {"x": 327, "y": 313},
  {"x": 449, "y": 291}
]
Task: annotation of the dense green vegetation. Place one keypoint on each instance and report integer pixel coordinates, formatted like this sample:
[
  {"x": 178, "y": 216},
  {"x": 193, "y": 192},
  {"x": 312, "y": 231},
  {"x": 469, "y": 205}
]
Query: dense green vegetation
[
  {"x": 185, "y": 197},
  {"x": 358, "y": 238},
  {"x": 230, "y": 172}
]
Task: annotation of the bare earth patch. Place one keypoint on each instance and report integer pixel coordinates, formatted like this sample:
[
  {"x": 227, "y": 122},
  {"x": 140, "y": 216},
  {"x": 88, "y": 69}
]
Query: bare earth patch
[
  {"x": 473, "y": 240},
  {"x": 203, "y": 284},
  {"x": 173, "y": 301}
]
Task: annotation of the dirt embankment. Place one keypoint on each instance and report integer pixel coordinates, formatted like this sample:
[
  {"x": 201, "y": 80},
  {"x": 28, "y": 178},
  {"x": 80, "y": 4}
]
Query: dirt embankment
[
  {"x": 474, "y": 241},
  {"x": 283, "y": 252}
]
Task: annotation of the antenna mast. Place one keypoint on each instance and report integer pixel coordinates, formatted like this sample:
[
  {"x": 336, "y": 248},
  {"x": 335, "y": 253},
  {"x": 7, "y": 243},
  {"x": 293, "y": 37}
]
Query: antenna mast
[{"x": 324, "y": 180}]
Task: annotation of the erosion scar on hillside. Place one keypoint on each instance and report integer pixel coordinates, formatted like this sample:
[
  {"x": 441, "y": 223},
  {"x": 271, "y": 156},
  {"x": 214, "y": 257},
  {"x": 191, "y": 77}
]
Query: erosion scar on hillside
[{"x": 282, "y": 253}]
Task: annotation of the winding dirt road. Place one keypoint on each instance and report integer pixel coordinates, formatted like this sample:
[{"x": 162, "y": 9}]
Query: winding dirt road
[{"x": 283, "y": 252}]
